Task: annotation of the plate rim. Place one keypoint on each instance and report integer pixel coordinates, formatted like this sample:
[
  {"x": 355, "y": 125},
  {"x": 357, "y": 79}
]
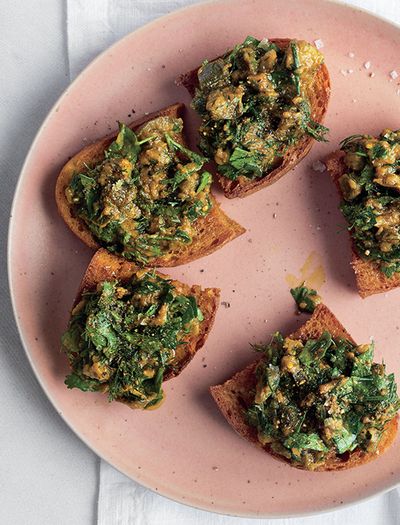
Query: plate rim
[{"x": 11, "y": 224}]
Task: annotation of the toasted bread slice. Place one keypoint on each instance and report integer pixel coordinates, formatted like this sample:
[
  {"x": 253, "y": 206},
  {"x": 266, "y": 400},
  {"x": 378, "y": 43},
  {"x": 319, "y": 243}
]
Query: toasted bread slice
[
  {"x": 235, "y": 395},
  {"x": 107, "y": 267},
  {"x": 213, "y": 231},
  {"x": 319, "y": 98},
  {"x": 370, "y": 279}
]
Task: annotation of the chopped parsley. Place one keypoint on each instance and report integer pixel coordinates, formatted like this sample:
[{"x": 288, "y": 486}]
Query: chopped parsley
[
  {"x": 123, "y": 337},
  {"x": 306, "y": 299},
  {"x": 320, "y": 398},
  {"x": 144, "y": 197},
  {"x": 371, "y": 197},
  {"x": 255, "y": 103}
]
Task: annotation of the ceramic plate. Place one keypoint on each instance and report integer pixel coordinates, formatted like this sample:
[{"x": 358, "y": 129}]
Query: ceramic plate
[{"x": 186, "y": 450}]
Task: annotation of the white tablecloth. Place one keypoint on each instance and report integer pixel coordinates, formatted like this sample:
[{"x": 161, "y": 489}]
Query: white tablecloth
[{"x": 47, "y": 476}]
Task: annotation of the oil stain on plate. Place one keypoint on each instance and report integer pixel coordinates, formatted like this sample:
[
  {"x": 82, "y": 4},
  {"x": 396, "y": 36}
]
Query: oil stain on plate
[{"x": 312, "y": 273}]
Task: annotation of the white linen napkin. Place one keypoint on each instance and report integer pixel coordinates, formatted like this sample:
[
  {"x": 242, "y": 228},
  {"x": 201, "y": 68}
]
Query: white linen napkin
[
  {"x": 125, "y": 502},
  {"x": 92, "y": 26}
]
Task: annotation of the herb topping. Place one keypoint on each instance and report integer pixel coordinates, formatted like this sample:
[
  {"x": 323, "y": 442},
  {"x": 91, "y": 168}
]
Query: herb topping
[
  {"x": 255, "y": 103},
  {"x": 123, "y": 337},
  {"x": 144, "y": 198},
  {"x": 320, "y": 398},
  {"x": 371, "y": 191},
  {"x": 306, "y": 299}
]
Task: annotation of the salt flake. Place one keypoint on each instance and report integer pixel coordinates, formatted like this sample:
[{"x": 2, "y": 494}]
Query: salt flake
[
  {"x": 318, "y": 43},
  {"x": 264, "y": 44},
  {"x": 367, "y": 65},
  {"x": 393, "y": 74},
  {"x": 319, "y": 166}
]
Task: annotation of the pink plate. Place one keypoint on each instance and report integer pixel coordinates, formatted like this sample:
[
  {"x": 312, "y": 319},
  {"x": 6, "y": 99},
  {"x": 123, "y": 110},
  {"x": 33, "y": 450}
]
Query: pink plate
[{"x": 186, "y": 450}]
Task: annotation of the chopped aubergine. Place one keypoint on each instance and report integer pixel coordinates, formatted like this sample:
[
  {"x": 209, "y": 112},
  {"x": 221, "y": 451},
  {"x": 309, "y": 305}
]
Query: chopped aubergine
[
  {"x": 144, "y": 198},
  {"x": 371, "y": 197},
  {"x": 123, "y": 337},
  {"x": 320, "y": 398},
  {"x": 255, "y": 103}
]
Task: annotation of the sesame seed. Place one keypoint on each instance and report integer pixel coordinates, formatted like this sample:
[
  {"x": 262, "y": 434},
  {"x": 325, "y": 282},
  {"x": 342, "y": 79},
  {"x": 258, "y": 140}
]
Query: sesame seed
[
  {"x": 367, "y": 65},
  {"x": 393, "y": 74}
]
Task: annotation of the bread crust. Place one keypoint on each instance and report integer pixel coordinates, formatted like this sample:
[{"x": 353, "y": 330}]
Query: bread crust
[
  {"x": 235, "y": 395},
  {"x": 319, "y": 97},
  {"x": 105, "y": 266},
  {"x": 213, "y": 231},
  {"x": 369, "y": 278}
]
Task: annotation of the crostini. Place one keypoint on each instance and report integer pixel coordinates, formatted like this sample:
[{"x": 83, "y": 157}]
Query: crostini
[
  {"x": 131, "y": 329},
  {"x": 314, "y": 399},
  {"x": 262, "y": 105},
  {"x": 143, "y": 195},
  {"x": 366, "y": 174}
]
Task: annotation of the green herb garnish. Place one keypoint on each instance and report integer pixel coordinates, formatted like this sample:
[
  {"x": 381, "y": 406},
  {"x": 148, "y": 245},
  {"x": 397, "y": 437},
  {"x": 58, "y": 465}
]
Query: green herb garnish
[
  {"x": 123, "y": 337},
  {"x": 306, "y": 298}
]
